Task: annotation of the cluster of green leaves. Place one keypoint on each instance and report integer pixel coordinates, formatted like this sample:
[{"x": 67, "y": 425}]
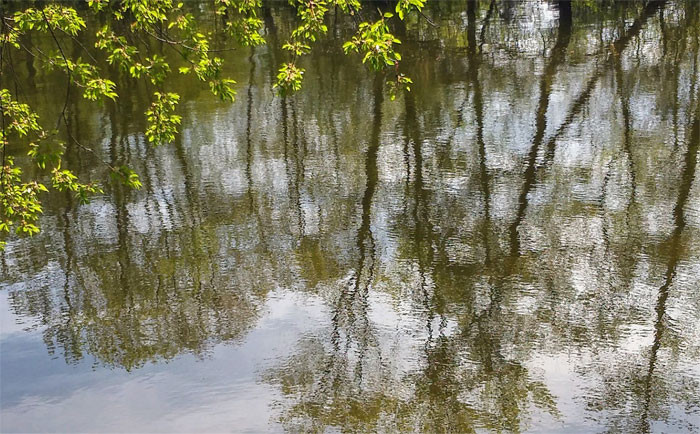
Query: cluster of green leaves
[
  {"x": 161, "y": 119},
  {"x": 289, "y": 78},
  {"x": 126, "y": 57},
  {"x": 373, "y": 39},
  {"x": 65, "y": 180},
  {"x": 405, "y": 7},
  {"x": 85, "y": 75},
  {"x": 396, "y": 86},
  {"x": 20, "y": 202},
  {"x": 167, "y": 22},
  {"x": 125, "y": 47},
  {"x": 242, "y": 20},
  {"x": 57, "y": 18},
  {"x": 312, "y": 26},
  {"x": 52, "y": 17},
  {"x": 19, "y": 199},
  {"x": 126, "y": 176},
  {"x": 377, "y": 45}
]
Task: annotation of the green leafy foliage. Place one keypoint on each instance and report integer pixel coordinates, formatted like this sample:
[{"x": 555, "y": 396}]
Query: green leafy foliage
[
  {"x": 349, "y": 7},
  {"x": 297, "y": 48},
  {"x": 376, "y": 44},
  {"x": 242, "y": 20},
  {"x": 148, "y": 12},
  {"x": 65, "y": 180},
  {"x": 311, "y": 13},
  {"x": 404, "y": 7},
  {"x": 52, "y": 17},
  {"x": 209, "y": 70},
  {"x": 46, "y": 153},
  {"x": 120, "y": 52},
  {"x": 289, "y": 78},
  {"x": 84, "y": 75},
  {"x": 401, "y": 83},
  {"x": 20, "y": 205},
  {"x": 312, "y": 26},
  {"x": 126, "y": 176},
  {"x": 22, "y": 120},
  {"x": 20, "y": 201},
  {"x": 162, "y": 122}
]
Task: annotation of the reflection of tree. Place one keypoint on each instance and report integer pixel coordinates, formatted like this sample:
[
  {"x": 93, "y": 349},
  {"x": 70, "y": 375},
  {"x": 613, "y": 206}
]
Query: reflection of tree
[
  {"x": 346, "y": 393},
  {"x": 491, "y": 391},
  {"x": 644, "y": 388},
  {"x": 618, "y": 46},
  {"x": 557, "y": 56},
  {"x": 174, "y": 304},
  {"x": 558, "y": 53},
  {"x": 474, "y": 65},
  {"x": 675, "y": 248},
  {"x": 307, "y": 209},
  {"x": 466, "y": 382},
  {"x": 146, "y": 299}
]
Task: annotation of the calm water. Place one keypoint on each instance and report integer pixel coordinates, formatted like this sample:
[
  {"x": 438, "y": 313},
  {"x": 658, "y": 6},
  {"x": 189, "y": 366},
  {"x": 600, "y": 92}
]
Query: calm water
[{"x": 515, "y": 245}]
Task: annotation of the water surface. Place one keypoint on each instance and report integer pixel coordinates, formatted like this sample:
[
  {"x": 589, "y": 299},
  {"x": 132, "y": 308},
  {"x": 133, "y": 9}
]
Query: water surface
[{"x": 513, "y": 246}]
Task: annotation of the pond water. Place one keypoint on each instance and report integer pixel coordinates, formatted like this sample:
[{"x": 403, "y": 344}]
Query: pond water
[{"x": 512, "y": 246}]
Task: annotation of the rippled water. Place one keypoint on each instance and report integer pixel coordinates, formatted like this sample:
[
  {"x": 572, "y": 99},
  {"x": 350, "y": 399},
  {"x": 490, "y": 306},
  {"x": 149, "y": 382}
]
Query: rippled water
[{"x": 514, "y": 245}]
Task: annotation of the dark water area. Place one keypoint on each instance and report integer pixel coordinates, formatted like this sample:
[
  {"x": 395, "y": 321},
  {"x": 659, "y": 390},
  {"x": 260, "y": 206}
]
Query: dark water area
[{"x": 512, "y": 246}]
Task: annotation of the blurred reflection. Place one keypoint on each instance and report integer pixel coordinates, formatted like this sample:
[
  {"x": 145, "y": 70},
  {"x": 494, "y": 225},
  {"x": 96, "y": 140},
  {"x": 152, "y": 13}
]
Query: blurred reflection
[{"x": 531, "y": 208}]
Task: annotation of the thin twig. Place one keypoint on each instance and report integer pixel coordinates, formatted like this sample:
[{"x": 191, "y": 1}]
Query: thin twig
[
  {"x": 79, "y": 44},
  {"x": 427, "y": 18},
  {"x": 183, "y": 45},
  {"x": 65, "y": 105},
  {"x": 68, "y": 68},
  {"x": 2, "y": 108}
]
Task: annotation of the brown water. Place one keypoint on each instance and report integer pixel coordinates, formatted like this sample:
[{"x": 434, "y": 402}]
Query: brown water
[{"x": 513, "y": 246}]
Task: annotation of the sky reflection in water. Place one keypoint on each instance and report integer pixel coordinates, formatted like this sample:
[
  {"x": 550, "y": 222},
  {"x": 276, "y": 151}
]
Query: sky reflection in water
[{"x": 514, "y": 245}]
